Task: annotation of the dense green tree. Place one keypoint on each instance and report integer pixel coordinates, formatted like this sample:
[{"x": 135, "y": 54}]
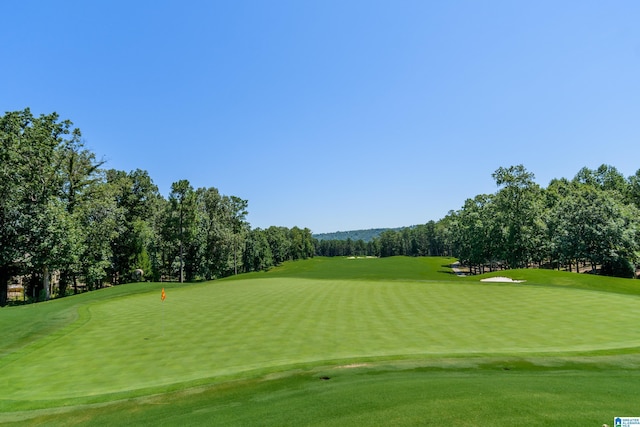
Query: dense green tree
[
  {"x": 215, "y": 235},
  {"x": 236, "y": 209},
  {"x": 37, "y": 232},
  {"x": 605, "y": 177},
  {"x": 593, "y": 225},
  {"x": 479, "y": 235},
  {"x": 633, "y": 194},
  {"x": 373, "y": 248},
  {"x": 279, "y": 243},
  {"x": 301, "y": 246},
  {"x": 390, "y": 244},
  {"x": 359, "y": 248},
  {"x": 81, "y": 175},
  {"x": 12, "y": 128},
  {"x": 436, "y": 235},
  {"x": 99, "y": 218},
  {"x": 347, "y": 247},
  {"x": 519, "y": 214},
  {"x": 257, "y": 255},
  {"x": 137, "y": 231},
  {"x": 587, "y": 219},
  {"x": 182, "y": 219}
]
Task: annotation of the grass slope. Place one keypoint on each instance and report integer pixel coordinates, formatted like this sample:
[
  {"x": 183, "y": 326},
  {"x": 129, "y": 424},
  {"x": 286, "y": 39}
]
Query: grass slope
[
  {"x": 485, "y": 396},
  {"x": 243, "y": 350}
]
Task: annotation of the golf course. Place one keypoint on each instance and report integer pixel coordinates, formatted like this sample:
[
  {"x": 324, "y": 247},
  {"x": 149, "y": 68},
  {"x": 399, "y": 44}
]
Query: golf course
[{"x": 396, "y": 341}]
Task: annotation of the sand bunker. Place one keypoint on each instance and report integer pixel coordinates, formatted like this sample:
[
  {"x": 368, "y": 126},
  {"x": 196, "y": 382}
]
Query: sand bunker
[{"x": 501, "y": 279}]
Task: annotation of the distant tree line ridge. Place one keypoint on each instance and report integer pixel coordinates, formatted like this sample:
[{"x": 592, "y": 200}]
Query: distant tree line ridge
[
  {"x": 364, "y": 235},
  {"x": 591, "y": 220},
  {"x": 416, "y": 240},
  {"x": 64, "y": 217}
]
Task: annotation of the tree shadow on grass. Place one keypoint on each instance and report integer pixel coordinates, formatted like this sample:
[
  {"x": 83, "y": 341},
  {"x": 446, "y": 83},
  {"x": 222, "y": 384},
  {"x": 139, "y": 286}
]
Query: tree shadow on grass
[
  {"x": 450, "y": 273},
  {"x": 449, "y": 270}
]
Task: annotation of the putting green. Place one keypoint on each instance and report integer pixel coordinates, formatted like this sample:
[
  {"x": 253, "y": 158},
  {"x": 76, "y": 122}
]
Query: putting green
[{"x": 231, "y": 329}]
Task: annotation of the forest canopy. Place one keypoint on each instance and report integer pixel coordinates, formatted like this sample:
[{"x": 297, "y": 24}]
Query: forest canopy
[{"x": 63, "y": 214}]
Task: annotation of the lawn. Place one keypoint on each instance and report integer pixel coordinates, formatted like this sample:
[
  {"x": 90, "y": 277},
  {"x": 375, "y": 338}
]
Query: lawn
[{"x": 398, "y": 341}]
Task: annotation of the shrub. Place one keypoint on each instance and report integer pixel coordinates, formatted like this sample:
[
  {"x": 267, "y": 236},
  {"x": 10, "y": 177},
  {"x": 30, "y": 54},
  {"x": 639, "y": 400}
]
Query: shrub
[{"x": 619, "y": 267}]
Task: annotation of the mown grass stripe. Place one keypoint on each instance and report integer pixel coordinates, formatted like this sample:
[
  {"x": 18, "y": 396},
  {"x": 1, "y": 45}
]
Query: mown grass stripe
[{"x": 230, "y": 327}]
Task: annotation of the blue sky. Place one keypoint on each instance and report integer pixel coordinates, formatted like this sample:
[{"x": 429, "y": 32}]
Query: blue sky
[{"x": 334, "y": 115}]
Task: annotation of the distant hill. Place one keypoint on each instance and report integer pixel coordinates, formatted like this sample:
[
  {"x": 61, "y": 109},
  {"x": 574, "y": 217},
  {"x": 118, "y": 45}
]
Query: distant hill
[{"x": 365, "y": 235}]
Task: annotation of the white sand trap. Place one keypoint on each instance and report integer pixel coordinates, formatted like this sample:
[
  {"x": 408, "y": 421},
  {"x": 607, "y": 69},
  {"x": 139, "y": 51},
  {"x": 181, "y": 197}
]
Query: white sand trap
[{"x": 501, "y": 279}]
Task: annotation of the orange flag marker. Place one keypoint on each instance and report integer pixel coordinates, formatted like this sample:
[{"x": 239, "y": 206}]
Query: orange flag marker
[{"x": 163, "y": 295}]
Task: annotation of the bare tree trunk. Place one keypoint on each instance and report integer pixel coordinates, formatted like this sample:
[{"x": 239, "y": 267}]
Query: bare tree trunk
[
  {"x": 4, "y": 286},
  {"x": 235, "y": 255},
  {"x": 46, "y": 282},
  {"x": 181, "y": 250},
  {"x": 181, "y": 264}
]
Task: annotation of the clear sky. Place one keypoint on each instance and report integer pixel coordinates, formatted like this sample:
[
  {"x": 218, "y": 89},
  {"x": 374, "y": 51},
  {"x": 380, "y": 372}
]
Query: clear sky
[{"x": 334, "y": 115}]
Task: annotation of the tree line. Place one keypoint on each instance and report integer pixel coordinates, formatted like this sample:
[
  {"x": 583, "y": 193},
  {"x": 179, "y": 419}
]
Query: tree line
[
  {"x": 592, "y": 220},
  {"x": 418, "y": 240},
  {"x": 63, "y": 213}
]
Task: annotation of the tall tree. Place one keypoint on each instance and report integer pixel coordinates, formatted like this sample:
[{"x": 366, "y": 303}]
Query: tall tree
[
  {"x": 30, "y": 213},
  {"x": 100, "y": 218},
  {"x": 519, "y": 209},
  {"x": 216, "y": 246},
  {"x": 389, "y": 243},
  {"x": 605, "y": 177},
  {"x": 634, "y": 189},
  {"x": 182, "y": 199},
  {"x": 279, "y": 243},
  {"x": 80, "y": 173},
  {"x": 479, "y": 234},
  {"x": 135, "y": 245},
  {"x": 12, "y": 128},
  {"x": 237, "y": 212},
  {"x": 593, "y": 225},
  {"x": 257, "y": 255}
]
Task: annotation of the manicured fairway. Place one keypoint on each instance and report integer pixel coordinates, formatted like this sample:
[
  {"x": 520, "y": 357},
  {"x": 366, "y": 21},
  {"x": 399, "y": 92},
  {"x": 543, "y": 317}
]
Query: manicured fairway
[
  {"x": 421, "y": 325},
  {"x": 489, "y": 394}
]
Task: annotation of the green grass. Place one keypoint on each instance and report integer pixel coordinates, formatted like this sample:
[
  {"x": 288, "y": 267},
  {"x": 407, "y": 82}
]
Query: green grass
[
  {"x": 570, "y": 280},
  {"x": 489, "y": 395},
  {"x": 367, "y": 269},
  {"x": 420, "y": 345}
]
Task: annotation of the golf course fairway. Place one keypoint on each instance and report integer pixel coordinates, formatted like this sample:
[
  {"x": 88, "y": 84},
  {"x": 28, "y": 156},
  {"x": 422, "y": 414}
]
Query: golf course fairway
[{"x": 330, "y": 341}]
